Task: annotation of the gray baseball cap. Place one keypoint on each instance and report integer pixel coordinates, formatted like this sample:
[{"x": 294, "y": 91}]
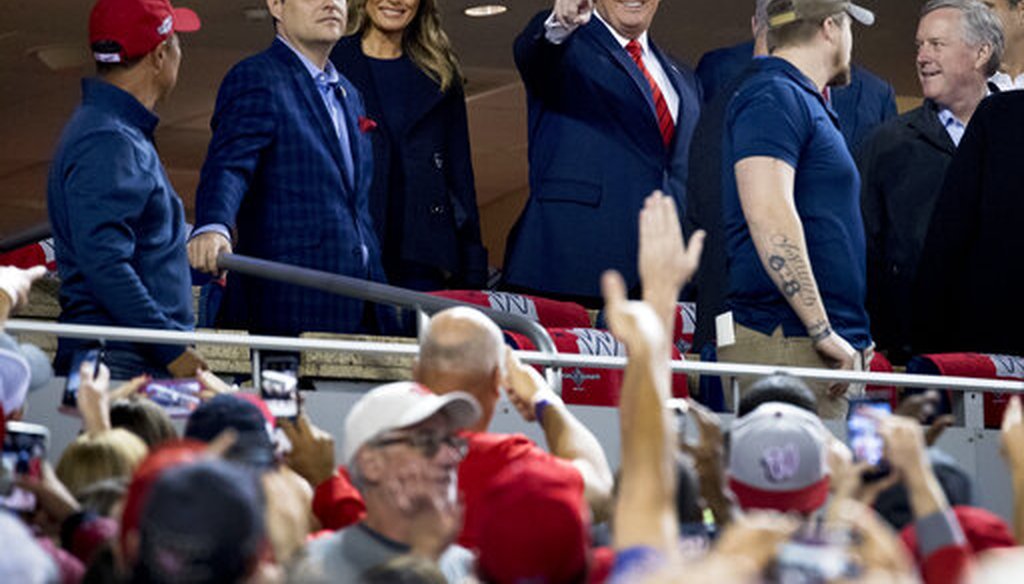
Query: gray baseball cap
[
  {"x": 783, "y": 12},
  {"x": 778, "y": 459}
]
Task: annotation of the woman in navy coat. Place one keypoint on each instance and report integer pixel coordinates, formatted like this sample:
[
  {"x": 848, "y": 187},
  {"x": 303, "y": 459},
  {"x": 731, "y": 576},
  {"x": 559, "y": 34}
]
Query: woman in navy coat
[{"x": 423, "y": 199}]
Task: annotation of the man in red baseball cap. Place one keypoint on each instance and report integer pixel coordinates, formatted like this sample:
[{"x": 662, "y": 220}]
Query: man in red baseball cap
[
  {"x": 121, "y": 31},
  {"x": 118, "y": 226}
]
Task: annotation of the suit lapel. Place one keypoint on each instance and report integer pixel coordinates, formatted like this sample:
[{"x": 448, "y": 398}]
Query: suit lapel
[
  {"x": 306, "y": 87},
  {"x": 600, "y": 34}
]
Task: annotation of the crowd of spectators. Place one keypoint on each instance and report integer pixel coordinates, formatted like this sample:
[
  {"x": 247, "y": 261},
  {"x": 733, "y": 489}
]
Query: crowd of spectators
[{"x": 424, "y": 492}]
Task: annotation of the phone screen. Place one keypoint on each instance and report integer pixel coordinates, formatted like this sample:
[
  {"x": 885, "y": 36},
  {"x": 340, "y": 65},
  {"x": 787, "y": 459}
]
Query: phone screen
[
  {"x": 178, "y": 397},
  {"x": 24, "y": 451},
  {"x": 279, "y": 390},
  {"x": 862, "y": 428},
  {"x": 94, "y": 356}
]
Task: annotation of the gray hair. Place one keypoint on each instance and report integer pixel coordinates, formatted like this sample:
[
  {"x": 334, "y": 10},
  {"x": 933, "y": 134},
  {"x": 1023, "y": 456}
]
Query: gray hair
[{"x": 980, "y": 27}]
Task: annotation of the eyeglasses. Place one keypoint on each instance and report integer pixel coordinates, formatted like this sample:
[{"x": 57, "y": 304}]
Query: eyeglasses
[{"x": 426, "y": 442}]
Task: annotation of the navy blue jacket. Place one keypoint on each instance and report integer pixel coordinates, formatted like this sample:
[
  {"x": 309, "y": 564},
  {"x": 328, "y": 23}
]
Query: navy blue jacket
[
  {"x": 440, "y": 224},
  {"x": 274, "y": 174},
  {"x": 863, "y": 104},
  {"x": 595, "y": 153},
  {"x": 118, "y": 226}
]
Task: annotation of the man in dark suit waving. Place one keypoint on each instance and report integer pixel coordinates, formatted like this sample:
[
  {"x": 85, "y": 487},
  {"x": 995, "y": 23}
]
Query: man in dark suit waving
[
  {"x": 610, "y": 120},
  {"x": 288, "y": 171}
]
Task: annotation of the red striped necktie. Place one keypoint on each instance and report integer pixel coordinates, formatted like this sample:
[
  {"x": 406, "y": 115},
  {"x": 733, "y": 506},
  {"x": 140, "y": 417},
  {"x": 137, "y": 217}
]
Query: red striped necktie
[{"x": 665, "y": 123}]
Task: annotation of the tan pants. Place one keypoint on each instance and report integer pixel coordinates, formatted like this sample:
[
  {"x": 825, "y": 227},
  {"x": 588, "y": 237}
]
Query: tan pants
[{"x": 777, "y": 349}]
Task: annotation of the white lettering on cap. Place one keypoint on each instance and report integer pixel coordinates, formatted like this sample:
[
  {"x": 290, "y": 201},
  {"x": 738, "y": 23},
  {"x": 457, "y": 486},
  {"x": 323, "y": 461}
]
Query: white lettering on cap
[
  {"x": 165, "y": 26},
  {"x": 107, "y": 57},
  {"x": 781, "y": 463}
]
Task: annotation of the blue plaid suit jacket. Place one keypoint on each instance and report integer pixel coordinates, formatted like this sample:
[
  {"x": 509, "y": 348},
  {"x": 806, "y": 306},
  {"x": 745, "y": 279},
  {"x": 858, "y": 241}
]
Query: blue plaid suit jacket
[{"x": 275, "y": 176}]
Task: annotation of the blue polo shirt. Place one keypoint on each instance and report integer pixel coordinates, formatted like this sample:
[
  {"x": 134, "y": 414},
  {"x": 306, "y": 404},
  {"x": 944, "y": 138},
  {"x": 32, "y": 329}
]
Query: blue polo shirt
[{"x": 779, "y": 113}]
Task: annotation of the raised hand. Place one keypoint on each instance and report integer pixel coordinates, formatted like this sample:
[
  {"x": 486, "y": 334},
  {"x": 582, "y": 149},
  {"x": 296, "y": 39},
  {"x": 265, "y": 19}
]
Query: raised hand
[
  {"x": 572, "y": 13},
  {"x": 633, "y": 323},
  {"x": 523, "y": 383},
  {"x": 312, "y": 455},
  {"x": 664, "y": 263}
]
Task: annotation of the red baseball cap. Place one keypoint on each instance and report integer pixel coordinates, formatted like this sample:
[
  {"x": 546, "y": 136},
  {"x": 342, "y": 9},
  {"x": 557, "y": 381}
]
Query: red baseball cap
[
  {"x": 120, "y": 30},
  {"x": 535, "y": 527}
]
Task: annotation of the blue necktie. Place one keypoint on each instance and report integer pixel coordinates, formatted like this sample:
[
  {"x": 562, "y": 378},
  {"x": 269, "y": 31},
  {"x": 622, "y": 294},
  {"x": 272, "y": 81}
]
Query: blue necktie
[{"x": 334, "y": 96}]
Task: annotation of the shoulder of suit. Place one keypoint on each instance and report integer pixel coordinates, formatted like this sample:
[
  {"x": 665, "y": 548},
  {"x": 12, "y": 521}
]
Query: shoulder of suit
[
  {"x": 870, "y": 80},
  {"x": 261, "y": 65}
]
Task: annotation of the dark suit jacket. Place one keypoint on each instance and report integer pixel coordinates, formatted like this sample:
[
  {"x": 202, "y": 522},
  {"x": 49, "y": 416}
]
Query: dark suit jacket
[
  {"x": 902, "y": 166},
  {"x": 863, "y": 104},
  {"x": 968, "y": 291},
  {"x": 440, "y": 224},
  {"x": 595, "y": 154},
  {"x": 704, "y": 207},
  {"x": 274, "y": 173}
]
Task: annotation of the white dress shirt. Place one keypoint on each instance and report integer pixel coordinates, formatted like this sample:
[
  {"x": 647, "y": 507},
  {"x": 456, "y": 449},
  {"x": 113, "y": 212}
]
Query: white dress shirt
[{"x": 556, "y": 33}]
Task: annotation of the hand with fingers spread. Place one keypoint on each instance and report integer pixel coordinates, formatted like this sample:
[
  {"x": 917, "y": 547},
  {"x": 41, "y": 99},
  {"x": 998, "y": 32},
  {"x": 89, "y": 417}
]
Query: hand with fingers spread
[
  {"x": 204, "y": 249},
  {"x": 93, "y": 398},
  {"x": 573, "y": 13},
  {"x": 664, "y": 263},
  {"x": 312, "y": 455}
]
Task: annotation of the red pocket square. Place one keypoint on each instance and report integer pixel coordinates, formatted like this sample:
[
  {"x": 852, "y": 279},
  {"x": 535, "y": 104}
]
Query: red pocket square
[{"x": 366, "y": 124}]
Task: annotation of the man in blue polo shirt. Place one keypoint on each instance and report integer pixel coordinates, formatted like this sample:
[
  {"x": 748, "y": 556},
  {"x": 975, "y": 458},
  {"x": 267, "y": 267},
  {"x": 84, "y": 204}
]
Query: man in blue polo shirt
[
  {"x": 791, "y": 205},
  {"x": 118, "y": 225}
]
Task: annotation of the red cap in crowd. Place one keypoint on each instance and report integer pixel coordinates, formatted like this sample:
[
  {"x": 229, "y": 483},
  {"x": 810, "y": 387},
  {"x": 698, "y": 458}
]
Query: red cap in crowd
[
  {"x": 535, "y": 527},
  {"x": 120, "y": 30},
  {"x": 167, "y": 456},
  {"x": 983, "y": 529}
]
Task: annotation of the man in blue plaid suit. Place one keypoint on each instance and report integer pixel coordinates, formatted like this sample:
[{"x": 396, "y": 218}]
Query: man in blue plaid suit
[{"x": 288, "y": 174}]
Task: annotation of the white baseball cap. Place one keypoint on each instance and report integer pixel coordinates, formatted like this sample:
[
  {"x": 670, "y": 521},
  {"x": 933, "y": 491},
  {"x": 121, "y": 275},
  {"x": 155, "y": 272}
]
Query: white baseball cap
[{"x": 400, "y": 405}]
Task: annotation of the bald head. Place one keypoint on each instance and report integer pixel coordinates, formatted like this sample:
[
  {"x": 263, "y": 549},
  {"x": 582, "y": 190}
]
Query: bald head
[{"x": 462, "y": 350}]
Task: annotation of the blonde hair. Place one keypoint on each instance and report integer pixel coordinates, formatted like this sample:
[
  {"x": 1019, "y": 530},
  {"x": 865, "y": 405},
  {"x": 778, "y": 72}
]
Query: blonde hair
[
  {"x": 424, "y": 41},
  {"x": 93, "y": 458}
]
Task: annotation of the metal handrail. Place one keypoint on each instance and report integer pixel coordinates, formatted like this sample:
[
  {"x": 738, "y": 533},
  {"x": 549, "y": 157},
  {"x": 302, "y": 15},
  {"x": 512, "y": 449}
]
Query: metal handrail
[
  {"x": 376, "y": 348},
  {"x": 380, "y": 293},
  {"x": 37, "y": 232}
]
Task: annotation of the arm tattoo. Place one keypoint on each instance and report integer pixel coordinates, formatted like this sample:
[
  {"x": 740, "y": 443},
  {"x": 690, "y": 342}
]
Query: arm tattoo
[
  {"x": 794, "y": 276},
  {"x": 819, "y": 331}
]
